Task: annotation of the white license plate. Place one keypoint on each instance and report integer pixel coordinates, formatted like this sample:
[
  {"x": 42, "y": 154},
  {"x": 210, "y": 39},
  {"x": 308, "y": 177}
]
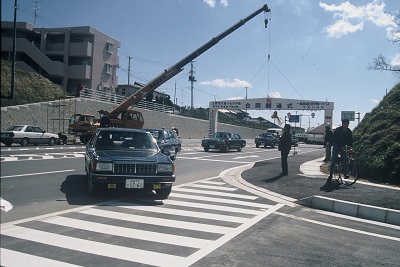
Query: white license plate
[
  {"x": 212, "y": 146},
  {"x": 134, "y": 183}
]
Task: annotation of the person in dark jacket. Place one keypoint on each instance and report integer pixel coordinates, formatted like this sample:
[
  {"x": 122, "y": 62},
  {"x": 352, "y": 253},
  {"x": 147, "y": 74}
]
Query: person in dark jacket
[
  {"x": 328, "y": 142},
  {"x": 342, "y": 136},
  {"x": 284, "y": 147}
]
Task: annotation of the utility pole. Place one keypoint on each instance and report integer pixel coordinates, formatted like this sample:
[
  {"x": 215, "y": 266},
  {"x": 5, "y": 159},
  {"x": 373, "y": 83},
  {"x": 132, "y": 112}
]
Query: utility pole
[
  {"x": 35, "y": 12},
  {"x": 13, "y": 52},
  {"x": 192, "y": 79},
  {"x": 129, "y": 69},
  {"x": 173, "y": 106},
  {"x": 245, "y": 118}
]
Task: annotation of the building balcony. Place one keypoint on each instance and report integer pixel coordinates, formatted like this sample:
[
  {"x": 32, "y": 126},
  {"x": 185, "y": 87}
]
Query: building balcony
[
  {"x": 80, "y": 72},
  {"x": 81, "y": 49}
]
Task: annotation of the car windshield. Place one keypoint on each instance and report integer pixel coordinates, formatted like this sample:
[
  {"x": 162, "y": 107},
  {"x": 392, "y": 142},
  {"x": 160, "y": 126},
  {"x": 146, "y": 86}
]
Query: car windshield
[
  {"x": 15, "y": 128},
  {"x": 157, "y": 134},
  {"x": 125, "y": 141},
  {"x": 221, "y": 135}
]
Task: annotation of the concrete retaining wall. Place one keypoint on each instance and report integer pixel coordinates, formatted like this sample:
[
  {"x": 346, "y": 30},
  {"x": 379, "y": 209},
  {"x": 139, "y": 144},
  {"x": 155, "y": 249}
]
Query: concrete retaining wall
[{"x": 53, "y": 116}]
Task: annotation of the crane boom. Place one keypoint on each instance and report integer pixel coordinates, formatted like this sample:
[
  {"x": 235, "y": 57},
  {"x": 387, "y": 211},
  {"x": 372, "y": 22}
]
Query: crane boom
[{"x": 178, "y": 67}]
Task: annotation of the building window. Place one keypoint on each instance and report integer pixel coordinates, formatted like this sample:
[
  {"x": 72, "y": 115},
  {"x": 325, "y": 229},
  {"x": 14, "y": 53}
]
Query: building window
[
  {"x": 110, "y": 48},
  {"x": 123, "y": 91},
  {"x": 109, "y": 68}
]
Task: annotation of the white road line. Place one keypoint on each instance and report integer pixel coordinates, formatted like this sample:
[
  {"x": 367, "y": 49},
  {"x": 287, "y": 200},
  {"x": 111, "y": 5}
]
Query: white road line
[
  {"x": 32, "y": 174},
  {"x": 9, "y": 158},
  {"x": 339, "y": 227},
  {"x": 15, "y": 258},
  {"x": 231, "y": 189},
  {"x": 211, "y": 182},
  {"x": 193, "y": 214},
  {"x": 220, "y": 194},
  {"x": 220, "y": 200},
  {"x": 215, "y": 160},
  {"x": 129, "y": 233},
  {"x": 92, "y": 247},
  {"x": 158, "y": 221},
  {"x": 210, "y": 206},
  {"x": 224, "y": 239}
]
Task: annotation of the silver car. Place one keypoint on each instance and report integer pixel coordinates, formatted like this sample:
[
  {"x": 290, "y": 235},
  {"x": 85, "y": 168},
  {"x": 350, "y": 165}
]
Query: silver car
[{"x": 28, "y": 134}]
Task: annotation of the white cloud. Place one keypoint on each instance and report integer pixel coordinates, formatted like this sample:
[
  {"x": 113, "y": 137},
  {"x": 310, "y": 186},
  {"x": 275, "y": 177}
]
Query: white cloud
[
  {"x": 395, "y": 60},
  {"x": 376, "y": 101},
  {"x": 350, "y": 18},
  {"x": 212, "y": 3},
  {"x": 274, "y": 94},
  {"x": 227, "y": 83}
]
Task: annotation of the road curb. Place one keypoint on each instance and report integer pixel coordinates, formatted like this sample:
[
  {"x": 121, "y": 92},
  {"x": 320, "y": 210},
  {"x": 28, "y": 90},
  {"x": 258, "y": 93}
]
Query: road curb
[
  {"x": 368, "y": 212},
  {"x": 312, "y": 169}
]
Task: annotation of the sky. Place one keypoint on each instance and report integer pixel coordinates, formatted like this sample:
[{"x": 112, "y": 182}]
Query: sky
[{"x": 311, "y": 50}]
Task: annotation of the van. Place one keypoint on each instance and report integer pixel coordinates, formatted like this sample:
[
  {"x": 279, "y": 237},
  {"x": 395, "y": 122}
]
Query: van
[{"x": 277, "y": 131}]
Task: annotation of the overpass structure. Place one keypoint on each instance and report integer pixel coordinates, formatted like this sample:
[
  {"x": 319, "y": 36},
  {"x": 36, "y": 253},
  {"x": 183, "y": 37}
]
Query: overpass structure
[{"x": 268, "y": 103}]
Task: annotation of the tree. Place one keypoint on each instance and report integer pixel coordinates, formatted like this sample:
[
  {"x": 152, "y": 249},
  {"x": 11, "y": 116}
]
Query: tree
[{"x": 380, "y": 62}]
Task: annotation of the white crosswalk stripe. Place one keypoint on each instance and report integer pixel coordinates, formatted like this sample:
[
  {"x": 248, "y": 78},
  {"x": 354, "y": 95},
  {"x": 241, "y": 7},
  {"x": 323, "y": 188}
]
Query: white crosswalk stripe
[{"x": 197, "y": 218}]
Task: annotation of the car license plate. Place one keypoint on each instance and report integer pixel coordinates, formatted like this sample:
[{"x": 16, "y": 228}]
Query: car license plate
[
  {"x": 212, "y": 146},
  {"x": 134, "y": 183}
]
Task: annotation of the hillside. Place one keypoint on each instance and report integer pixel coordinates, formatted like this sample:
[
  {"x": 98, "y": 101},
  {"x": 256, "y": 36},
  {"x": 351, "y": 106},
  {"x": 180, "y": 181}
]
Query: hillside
[
  {"x": 28, "y": 87},
  {"x": 377, "y": 140}
]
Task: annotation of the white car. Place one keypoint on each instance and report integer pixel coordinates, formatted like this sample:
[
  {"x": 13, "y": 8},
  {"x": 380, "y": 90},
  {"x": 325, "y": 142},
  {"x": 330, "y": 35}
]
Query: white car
[{"x": 28, "y": 134}]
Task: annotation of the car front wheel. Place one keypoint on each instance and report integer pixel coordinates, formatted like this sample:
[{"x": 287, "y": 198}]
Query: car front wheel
[
  {"x": 52, "y": 141},
  {"x": 7, "y": 144},
  {"x": 24, "y": 142},
  {"x": 206, "y": 148}
]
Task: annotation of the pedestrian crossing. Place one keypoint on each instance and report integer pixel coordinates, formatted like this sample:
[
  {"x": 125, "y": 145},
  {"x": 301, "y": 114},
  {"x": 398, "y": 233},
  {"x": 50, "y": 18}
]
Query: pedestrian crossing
[
  {"x": 195, "y": 220},
  {"x": 42, "y": 156}
]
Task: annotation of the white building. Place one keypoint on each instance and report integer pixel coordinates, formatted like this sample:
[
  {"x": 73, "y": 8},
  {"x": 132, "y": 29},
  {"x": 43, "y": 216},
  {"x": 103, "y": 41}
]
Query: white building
[{"x": 69, "y": 57}]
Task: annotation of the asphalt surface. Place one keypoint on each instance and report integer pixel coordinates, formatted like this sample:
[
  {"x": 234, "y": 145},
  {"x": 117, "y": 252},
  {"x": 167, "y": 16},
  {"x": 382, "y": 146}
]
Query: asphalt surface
[{"x": 299, "y": 185}]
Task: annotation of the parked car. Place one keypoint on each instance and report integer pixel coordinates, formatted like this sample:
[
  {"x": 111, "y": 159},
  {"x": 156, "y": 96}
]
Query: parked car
[
  {"x": 28, "y": 134},
  {"x": 127, "y": 159},
  {"x": 224, "y": 141},
  {"x": 266, "y": 139},
  {"x": 294, "y": 141},
  {"x": 167, "y": 140}
]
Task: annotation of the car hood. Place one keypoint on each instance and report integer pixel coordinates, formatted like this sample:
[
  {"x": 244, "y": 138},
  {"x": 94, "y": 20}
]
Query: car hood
[{"x": 117, "y": 155}]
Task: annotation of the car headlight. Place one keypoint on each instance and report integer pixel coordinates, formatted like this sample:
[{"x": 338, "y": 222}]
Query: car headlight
[
  {"x": 165, "y": 168},
  {"x": 103, "y": 166}
]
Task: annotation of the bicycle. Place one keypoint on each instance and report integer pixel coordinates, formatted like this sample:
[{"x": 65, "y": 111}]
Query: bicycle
[{"x": 346, "y": 168}]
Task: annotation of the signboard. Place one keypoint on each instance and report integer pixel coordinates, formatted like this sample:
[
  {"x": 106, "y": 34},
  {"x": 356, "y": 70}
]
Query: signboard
[
  {"x": 294, "y": 118},
  {"x": 350, "y": 115}
]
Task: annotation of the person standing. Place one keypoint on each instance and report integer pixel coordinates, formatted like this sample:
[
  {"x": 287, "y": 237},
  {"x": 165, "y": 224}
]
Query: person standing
[
  {"x": 285, "y": 142},
  {"x": 328, "y": 141},
  {"x": 342, "y": 136}
]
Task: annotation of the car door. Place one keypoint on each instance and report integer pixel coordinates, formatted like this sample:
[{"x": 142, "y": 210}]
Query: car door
[
  {"x": 30, "y": 134},
  {"x": 40, "y": 136}
]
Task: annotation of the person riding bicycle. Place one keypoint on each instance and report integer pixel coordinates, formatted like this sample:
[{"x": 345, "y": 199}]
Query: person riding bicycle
[{"x": 342, "y": 136}]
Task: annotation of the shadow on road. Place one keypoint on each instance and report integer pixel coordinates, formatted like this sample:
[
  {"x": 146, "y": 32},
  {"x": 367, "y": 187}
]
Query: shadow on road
[{"x": 75, "y": 189}]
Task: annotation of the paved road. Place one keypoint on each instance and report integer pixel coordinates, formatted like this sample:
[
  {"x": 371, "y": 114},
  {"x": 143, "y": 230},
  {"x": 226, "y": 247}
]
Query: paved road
[{"x": 206, "y": 222}]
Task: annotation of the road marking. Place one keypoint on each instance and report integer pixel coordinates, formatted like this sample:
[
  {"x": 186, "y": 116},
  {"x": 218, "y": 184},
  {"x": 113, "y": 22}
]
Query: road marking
[
  {"x": 92, "y": 247},
  {"x": 106, "y": 220},
  {"x": 14, "y": 258},
  {"x": 254, "y": 156},
  {"x": 32, "y": 174},
  {"x": 128, "y": 232},
  {"x": 338, "y": 227},
  {"x": 222, "y": 194}
]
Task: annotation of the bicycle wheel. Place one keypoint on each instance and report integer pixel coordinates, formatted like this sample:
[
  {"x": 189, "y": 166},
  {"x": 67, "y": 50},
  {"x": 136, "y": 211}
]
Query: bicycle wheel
[
  {"x": 352, "y": 172},
  {"x": 336, "y": 175}
]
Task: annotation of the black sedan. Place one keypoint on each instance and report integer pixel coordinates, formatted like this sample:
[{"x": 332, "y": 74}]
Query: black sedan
[
  {"x": 167, "y": 141},
  {"x": 224, "y": 141},
  {"x": 127, "y": 158},
  {"x": 266, "y": 139}
]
